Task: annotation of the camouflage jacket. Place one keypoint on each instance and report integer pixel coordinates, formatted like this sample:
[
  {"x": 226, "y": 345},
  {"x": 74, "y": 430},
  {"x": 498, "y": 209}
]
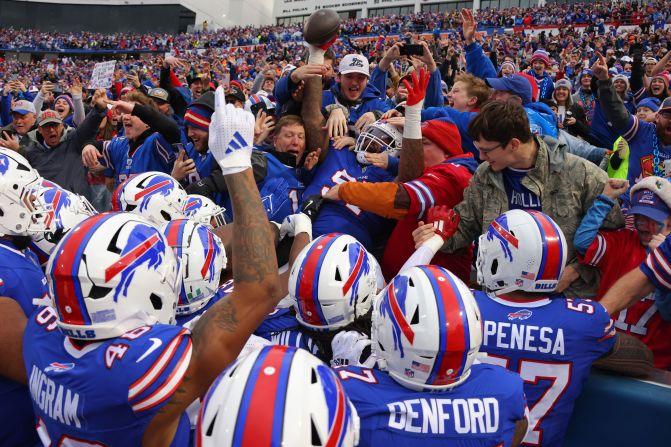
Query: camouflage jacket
[{"x": 567, "y": 186}]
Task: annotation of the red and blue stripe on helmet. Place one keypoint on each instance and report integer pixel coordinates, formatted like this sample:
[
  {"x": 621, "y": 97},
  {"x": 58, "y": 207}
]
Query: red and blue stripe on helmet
[{"x": 553, "y": 250}]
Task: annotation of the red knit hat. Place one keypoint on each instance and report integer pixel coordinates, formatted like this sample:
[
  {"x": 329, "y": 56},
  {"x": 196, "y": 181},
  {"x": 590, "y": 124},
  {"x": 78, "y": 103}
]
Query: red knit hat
[
  {"x": 444, "y": 134},
  {"x": 534, "y": 86}
]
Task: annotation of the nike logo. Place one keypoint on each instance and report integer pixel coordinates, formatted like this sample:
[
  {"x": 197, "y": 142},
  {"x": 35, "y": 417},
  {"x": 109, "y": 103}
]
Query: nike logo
[{"x": 156, "y": 344}]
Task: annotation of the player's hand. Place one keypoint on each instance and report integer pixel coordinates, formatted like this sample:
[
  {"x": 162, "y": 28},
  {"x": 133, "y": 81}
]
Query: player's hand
[
  {"x": 344, "y": 142},
  {"x": 295, "y": 224},
  {"x": 311, "y": 205},
  {"x": 422, "y": 233},
  {"x": 444, "y": 220},
  {"x": 231, "y": 135},
  {"x": 336, "y": 124},
  {"x": 364, "y": 120},
  {"x": 379, "y": 160},
  {"x": 312, "y": 159},
  {"x": 352, "y": 348},
  {"x": 9, "y": 141},
  {"x": 183, "y": 166},
  {"x": 90, "y": 156},
  {"x": 417, "y": 90},
  {"x": 614, "y": 188},
  {"x": 397, "y": 121}
]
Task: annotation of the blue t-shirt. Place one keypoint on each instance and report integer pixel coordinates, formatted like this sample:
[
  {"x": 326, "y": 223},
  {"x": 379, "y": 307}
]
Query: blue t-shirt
[
  {"x": 552, "y": 343},
  {"x": 154, "y": 154},
  {"x": 519, "y": 196},
  {"x": 481, "y": 411},
  {"x": 22, "y": 280},
  {"x": 340, "y": 166},
  {"x": 641, "y": 137},
  {"x": 107, "y": 392}
]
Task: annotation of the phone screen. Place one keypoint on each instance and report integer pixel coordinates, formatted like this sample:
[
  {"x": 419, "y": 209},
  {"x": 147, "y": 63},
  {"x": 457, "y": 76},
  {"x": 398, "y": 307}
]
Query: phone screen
[{"x": 412, "y": 50}]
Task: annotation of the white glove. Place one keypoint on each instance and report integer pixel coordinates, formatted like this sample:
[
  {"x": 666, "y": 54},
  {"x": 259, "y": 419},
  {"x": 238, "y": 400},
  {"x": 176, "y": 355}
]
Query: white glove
[
  {"x": 348, "y": 349},
  {"x": 231, "y": 135},
  {"x": 295, "y": 224}
]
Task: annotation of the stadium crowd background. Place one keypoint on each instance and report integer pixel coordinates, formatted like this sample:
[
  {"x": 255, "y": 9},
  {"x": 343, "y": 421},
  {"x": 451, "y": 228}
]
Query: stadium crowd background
[{"x": 574, "y": 58}]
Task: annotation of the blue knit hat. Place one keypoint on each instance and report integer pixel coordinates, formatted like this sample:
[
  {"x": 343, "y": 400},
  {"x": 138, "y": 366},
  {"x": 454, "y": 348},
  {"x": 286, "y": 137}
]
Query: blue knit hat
[{"x": 198, "y": 116}]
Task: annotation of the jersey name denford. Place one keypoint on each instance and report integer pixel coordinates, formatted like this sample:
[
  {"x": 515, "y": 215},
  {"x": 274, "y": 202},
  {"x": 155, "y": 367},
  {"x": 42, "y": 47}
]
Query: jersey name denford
[
  {"x": 523, "y": 337},
  {"x": 56, "y": 401},
  {"x": 422, "y": 415}
]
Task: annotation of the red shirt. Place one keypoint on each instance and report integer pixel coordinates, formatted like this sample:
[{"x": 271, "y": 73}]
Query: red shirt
[
  {"x": 442, "y": 184},
  {"x": 616, "y": 253}
]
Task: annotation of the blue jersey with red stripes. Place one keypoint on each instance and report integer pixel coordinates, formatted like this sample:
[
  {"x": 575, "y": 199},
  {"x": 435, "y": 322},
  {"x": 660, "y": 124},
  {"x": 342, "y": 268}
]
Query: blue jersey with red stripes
[
  {"x": 481, "y": 411},
  {"x": 341, "y": 166},
  {"x": 154, "y": 154},
  {"x": 642, "y": 138},
  {"x": 204, "y": 163},
  {"x": 657, "y": 266},
  {"x": 22, "y": 280},
  {"x": 551, "y": 342},
  {"x": 282, "y": 328},
  {"x": 107, "y": 392}
]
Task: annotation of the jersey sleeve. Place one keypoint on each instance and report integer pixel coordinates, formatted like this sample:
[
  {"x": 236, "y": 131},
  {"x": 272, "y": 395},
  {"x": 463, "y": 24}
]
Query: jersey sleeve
[
  {"x": 657, "y": 266},
  {"x": 599, "y": 250},
  {"x": 164, "y": 150},
  {"x": 594, "y": 323},
  {"x": 12, "y": 286},
  {"x": 442, "y": 187},
  {"x": 160, "y": 367},
  {"x": 106, "y": 159}
]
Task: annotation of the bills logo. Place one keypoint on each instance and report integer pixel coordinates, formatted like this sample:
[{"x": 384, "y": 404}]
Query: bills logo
[
  {"x": 4, "y": 164},
  {"x": 499, "y": 230},
  {"x": 193, "y": 204},
  {"x": 59, "y": 200},
  {"x": 520, "y": 315},
  {"x": 392, "y": 307},
  {"x": 155, "y": 185},
  {"x": 59, "y": 367},
  {"x": 144, "y": 246}
]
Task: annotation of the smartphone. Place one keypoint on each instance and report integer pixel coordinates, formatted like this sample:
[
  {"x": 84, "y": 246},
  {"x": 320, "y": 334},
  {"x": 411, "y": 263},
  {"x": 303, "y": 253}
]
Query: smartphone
[{"x": 411, "y": 49}]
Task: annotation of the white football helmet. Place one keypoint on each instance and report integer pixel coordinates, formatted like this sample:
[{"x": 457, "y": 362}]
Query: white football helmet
[
  {"x": 203, "y": 210},
  {"x": 332, "y": 282},
  {"x": 202, "y": 256},
  {"x": 521, "y": 250},
  {"x": 66, "y": 209},
  {"x": 112, "y": 273},
  {"x": 426, "y": 329},
  {"x": 21, "y": 211},
  {"x": 281, "y": 396},
  {"x": 376, "y": 138},
  {"x": 154, "y": 195}
]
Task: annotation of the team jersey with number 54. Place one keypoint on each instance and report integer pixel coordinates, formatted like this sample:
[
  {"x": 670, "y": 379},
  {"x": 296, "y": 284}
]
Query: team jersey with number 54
[
  {"x": 103, "y": 393},
  {"x": 551, "y": 342}
]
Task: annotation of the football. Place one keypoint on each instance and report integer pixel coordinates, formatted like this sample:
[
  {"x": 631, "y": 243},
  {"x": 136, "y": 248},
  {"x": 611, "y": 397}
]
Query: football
[{"x": 321, "y": 26}]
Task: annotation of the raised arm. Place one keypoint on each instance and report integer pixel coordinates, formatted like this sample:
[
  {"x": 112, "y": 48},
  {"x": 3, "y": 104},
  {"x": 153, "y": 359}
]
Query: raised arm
[
  {"x": 315, "y": 136},
  {"x": 223, "y": 330}
]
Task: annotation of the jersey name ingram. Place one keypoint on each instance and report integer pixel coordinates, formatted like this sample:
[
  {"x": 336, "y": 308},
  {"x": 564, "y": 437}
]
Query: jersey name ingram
[
  {"x": 56, "y": 401},
  {"x": 423, "y": 415},
  {"x": 524, "y": 337}
]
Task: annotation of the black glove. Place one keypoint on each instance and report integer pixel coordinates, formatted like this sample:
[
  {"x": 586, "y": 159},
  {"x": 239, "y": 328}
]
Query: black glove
[{"x": 311, "y": 205}]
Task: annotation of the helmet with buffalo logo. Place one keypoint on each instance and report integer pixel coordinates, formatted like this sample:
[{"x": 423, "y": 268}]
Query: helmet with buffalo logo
[
  {"x": 203, "y": 257},
  {"x": 203, "y": 210},
  {"x": 378, "y": 137},
  {"x": 21, "y": 212},
  {"x": 426, "y": 329},
  {"x": 295, "y": 390},
  {"x": 521, "y": 250},
  {"x": 112, "y": 273},
  {"x": 156, "y": 196},
  {"x": 66, "y": 209}
]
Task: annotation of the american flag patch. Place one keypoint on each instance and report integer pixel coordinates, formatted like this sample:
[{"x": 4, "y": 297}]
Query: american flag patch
[
  {"x": 528, "y": 275},
  {"x": 420, "y": 367}
]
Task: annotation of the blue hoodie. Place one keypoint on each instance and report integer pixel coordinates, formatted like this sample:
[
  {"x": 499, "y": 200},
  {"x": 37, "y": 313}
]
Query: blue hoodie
[{"x": 370, "y": 101}]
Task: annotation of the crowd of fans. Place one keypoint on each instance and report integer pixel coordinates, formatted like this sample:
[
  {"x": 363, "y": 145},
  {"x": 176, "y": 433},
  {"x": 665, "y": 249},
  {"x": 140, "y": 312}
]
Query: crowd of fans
[{"x": 411, "y": 136}]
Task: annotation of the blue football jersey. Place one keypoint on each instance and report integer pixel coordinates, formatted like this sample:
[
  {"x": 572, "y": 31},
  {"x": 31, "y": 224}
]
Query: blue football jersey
[
  {"x": 221, "y": 292},
  {"x": 340, "y": 166},
  {"x": 282, "y": 328},
  {"x": 154, "y": 154},
  {"x": 482, "y": 411},
  {"x": 22, "y": 280},
  {"x": 281, "y": 191},
  {"x": 107, "y": 392},
  {"x": 205, "y": 163},
  {"x": 551, "y": 343}
]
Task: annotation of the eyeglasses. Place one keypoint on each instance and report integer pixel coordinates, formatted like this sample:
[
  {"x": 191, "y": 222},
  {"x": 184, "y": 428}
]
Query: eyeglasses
[{"x": 489, "y": 150}]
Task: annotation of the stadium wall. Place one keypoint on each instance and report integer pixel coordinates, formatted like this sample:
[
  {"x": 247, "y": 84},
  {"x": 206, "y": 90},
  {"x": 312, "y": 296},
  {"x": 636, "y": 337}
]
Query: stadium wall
[{"x": 105, "y": 18}]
